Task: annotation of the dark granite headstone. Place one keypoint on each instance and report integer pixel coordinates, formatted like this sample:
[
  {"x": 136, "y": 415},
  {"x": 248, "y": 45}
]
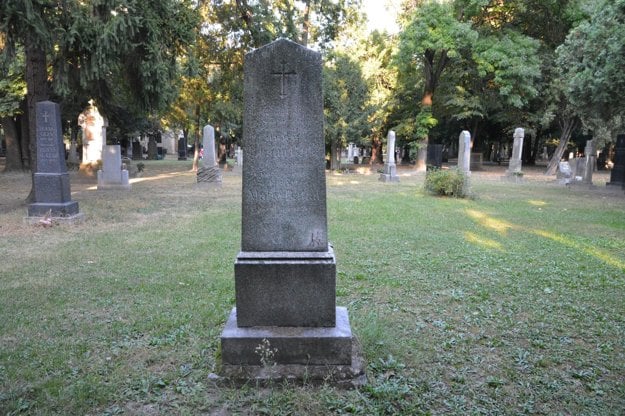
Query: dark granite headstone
[
  {"x": 137, "y": 151},
  {"x": 617, "y": 176},
  {"x": 435, "y": 155},
  {"x": 51, "y": 180},
  {"x": 285, "y": 275},
  {"x": 182, "y": 148}
]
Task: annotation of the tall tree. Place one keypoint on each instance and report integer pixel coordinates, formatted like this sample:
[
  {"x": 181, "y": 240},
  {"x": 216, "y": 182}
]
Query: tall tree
[
  {"x": 592, "y": 59},
  {"x": 345, "y": 104},
  {"x": 106, "y": 50},
  {"x": 432, "y": 38}
]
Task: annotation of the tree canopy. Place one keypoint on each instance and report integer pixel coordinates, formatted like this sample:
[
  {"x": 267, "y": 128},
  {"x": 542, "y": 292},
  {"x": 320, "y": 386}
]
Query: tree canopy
[{"x": 485, "y": 65}]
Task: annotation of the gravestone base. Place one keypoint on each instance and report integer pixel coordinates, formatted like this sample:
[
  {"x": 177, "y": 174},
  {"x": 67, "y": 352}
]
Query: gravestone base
[
  {"x": 39, "y": 210},
  {"x": 66, "y": 220},
  {"x": 291, "y": 289},
  {"x": 514, "y": 177},
  {"x": 389, "y": 174},
  {"x": 295, "y": 353},
  {"x": 209, "y": 175},
  {"x": 106, "y": 182}
]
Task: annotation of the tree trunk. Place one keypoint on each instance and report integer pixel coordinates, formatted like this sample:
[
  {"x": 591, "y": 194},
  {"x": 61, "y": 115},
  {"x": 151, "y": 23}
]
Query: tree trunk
[
  {"x": 306, "y": 24},
  {"x": 36, "y": 82},
  {"x": 14, "y": 152},
  {"x": 567, "y": 125},
  {"x": 335, "y": 163},
  {"x": 376, "y": 151},
  {"x": 24, "y": 136},
  {"x": 196, "y": 154}
]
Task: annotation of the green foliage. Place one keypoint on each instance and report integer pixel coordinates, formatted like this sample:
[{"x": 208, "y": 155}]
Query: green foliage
[
  {"x": 12, "y": 86},
  {"x": 507, "y": 62},
  {"x": 345, "y": 100},
  {"x": 592, "y": 60},
  {"x": 449, "y": 182}
]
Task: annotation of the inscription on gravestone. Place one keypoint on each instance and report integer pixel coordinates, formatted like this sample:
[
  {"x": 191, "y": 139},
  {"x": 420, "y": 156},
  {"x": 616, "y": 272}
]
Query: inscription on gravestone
[
  {"x": 284, "y": 172},
  {"x": 51, "y": 180},
  {"x": 285, "y": 274}
]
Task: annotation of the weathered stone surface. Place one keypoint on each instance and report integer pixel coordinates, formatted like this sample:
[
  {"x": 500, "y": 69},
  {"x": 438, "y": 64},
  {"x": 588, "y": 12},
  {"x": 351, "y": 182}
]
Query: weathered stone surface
[
  {"x": 464, "y": 152},
  {"x": 286, "y": 288},
  {"x": 51, "y": 180},
  {"x": 284, "y": 194},
  {"x": 112, "y": 176},
  {"x": 293, "y": 345},
  {"x": 285, "y": 274},
  {"x": 390, "y": 169},
  {"x": 209, "y": 172},
  {"x": 515, "y": 164}
]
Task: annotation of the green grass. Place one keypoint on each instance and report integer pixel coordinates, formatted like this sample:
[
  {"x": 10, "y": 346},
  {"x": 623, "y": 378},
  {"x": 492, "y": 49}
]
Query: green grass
[{"x": 510, "y": 302}]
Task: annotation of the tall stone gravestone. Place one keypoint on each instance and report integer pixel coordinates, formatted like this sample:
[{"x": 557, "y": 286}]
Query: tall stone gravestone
[
  {"x": 390, "y": 169},
  {"x": 590, "y": 161},
  {"x": 137, "y": 151},
  {"x": 112, "y": 175},
  {"x": 51, "y": 180},
  {"x": 617, "y": 176},
  {"x": 286, "y": 271},
  {"x": 182, "y": 148},
  {"x": 209, "y": 171},
  {"x": 464, "y": 152},
  {"x": 515, "y": 164}
]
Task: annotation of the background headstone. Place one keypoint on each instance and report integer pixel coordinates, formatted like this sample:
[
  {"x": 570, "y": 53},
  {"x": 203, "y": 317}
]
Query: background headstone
[
  {"x": 137, "y": 151},
  {"x": 564, "y": 173},
  {"x": 516, "y": 162},
  {"x": 209, "y": 171},
  {"x": 93, "y": 134},
  {"x": 390, "y": 169},
  {"x": 51, "y": 180},
  {"x": 112, "y": 176},
  {"x": 182, "y": 148},
  {"x": 435, "y": 155},
  {"x": 464, "y": 152},
  {"x": 590, "y": 161},
  {"x": 285, "y": 274},
  {"x": 617, "y": 176}
]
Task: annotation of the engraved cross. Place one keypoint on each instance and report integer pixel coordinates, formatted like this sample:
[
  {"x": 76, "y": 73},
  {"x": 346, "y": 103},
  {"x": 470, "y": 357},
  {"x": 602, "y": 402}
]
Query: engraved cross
[
  {"x": 283, "y": 74},
  {"x": 45, "y": 116}
]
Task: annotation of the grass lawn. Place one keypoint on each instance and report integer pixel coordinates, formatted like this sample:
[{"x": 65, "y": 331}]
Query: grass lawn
[{"x": 511, "y": 302}]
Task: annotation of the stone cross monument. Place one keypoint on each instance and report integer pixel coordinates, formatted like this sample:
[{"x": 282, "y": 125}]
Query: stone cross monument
[{"x": 285, "y": 272}]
